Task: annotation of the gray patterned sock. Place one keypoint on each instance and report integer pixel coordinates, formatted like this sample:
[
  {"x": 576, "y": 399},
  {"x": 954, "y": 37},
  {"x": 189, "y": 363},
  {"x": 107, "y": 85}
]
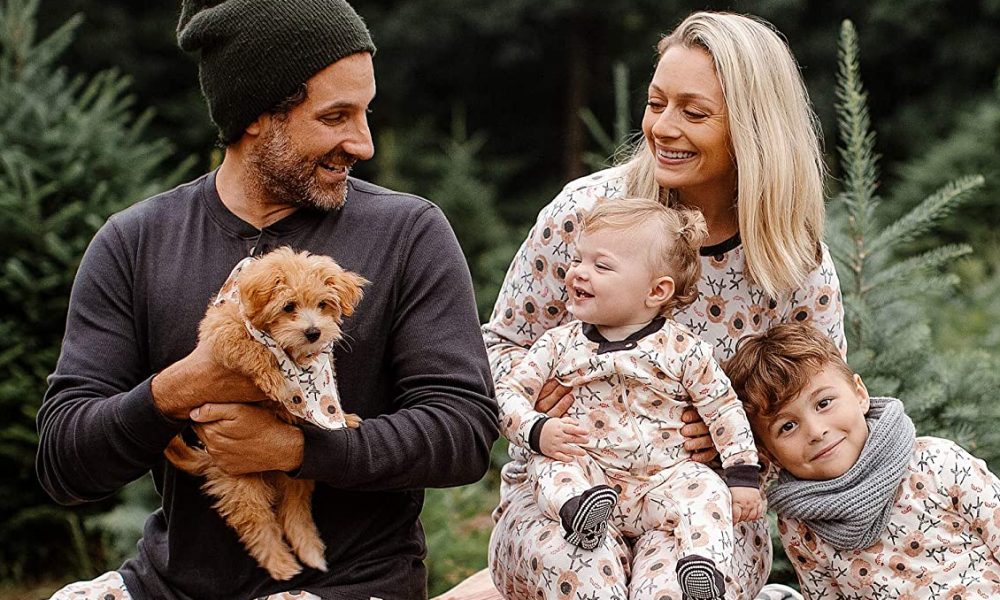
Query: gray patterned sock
[
  {"x": 585, "y": 517},
  {"x": 699, "y": 579}
]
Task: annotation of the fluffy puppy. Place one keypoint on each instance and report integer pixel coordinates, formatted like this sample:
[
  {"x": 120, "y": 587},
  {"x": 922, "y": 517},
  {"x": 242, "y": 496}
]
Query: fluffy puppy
[{"x": 276, "y": 318}]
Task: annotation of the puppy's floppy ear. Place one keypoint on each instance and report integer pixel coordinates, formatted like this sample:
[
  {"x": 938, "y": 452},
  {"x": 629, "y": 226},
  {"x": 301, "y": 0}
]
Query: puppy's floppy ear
[
  {"x": 258, "y": 283},
  {"x": 346, "y": 288}
]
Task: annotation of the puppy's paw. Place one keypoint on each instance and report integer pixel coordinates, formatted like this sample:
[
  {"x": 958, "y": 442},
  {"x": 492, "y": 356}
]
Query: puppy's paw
[
  {"x": 353, "y": 421},
  {"x": 289, "y": 396},
  {"x": 282, "y": 566},
  {"x": 311, "y": 553}
]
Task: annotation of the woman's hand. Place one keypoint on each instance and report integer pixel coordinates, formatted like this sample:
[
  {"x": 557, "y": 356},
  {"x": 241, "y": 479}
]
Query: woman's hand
[
  {"x": 561, "y": 439},
  {"x": 698, "y": 441},
  {"x": 554, "y": 399},
  {"x": 748, "y": 505}
]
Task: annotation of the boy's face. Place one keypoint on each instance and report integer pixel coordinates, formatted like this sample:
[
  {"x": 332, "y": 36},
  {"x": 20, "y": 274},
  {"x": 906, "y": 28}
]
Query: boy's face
[
  {"x": 610, "y": 282},
  {"x": 819, "y": 435}
]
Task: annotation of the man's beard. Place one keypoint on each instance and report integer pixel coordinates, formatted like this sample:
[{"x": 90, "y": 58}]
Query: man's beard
[{"x": 281, "y": 175}]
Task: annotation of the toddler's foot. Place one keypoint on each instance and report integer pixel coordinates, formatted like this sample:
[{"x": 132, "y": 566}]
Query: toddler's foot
[
  {"x": 699, "y": 579},
  {"x": 585, "y": 517}
]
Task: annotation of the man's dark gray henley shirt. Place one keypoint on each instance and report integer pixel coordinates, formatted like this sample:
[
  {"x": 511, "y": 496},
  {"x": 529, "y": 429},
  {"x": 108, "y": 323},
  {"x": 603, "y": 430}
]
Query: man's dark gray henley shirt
[{"x": 414, "y": 368}]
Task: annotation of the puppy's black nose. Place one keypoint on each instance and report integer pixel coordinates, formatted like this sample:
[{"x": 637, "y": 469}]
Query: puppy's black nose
[{"x": 312, "y": 334}]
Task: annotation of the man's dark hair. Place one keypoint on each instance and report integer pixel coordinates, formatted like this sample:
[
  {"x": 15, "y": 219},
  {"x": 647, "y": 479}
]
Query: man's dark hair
[
  {"x": 281, "y": 109},
  {"x": 286, "y": 104}
]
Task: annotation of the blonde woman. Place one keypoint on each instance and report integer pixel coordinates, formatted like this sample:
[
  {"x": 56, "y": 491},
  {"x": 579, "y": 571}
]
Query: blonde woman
[{"x": 727, "y": 130}]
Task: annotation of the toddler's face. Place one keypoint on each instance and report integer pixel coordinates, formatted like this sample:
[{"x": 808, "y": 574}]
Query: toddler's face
[
  {"x": 819, "y": 435},
  {"x": 610, "y": 280}
]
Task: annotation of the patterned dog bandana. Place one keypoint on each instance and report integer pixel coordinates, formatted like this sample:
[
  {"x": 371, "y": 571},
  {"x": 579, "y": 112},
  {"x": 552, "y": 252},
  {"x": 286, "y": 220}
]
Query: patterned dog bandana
[{"x": 317, "y": 400}]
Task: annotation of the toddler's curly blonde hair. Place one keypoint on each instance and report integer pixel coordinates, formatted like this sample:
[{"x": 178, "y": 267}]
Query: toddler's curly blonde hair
[{"x": 675, "y": 252}]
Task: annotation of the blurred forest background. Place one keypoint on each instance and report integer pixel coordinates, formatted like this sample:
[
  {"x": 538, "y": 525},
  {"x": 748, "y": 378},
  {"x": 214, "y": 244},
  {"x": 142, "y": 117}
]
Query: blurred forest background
[{"x": 488, "y": 107}]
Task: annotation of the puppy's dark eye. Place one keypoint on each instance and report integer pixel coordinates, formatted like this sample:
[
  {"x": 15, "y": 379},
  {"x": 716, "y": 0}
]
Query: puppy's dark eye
[
  {"x": 322, "y": 304},
  {"x": 289, "y": 307}
]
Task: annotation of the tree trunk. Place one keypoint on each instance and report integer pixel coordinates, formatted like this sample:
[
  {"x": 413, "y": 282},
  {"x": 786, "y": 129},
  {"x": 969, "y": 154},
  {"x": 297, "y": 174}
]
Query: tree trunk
[{"x": 577, "y": 59}]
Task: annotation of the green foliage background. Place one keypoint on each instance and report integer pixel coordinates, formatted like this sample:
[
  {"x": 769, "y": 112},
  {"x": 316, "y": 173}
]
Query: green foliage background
[
  {"x": 72, "y": 151},
  {"x": 487, "y": 107}
]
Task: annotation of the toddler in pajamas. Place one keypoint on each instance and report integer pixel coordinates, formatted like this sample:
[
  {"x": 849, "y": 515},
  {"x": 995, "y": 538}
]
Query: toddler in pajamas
[
  {"x": 866, "y": 510},
  {"x": 618, "y": 455}
]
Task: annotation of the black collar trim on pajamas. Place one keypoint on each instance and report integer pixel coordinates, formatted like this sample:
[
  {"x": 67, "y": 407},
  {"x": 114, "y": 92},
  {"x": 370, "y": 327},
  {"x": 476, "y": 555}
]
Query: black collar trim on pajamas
[
  {"x": 606, "y": 345},
  {"x": 722, "y": 247}
]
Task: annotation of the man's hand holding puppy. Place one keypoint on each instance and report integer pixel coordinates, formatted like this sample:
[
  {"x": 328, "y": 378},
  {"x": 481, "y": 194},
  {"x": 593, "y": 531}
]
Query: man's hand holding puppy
[
  {"x": 197, "y": 379},
  {"x": 248, "y": 438},
  {"x": 241, "y": 436}
]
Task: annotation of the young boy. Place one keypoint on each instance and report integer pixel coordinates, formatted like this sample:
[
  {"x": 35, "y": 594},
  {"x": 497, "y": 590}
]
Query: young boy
[
  {"x": 866, "y": 510},
  {"x": 633, "y": 372}
]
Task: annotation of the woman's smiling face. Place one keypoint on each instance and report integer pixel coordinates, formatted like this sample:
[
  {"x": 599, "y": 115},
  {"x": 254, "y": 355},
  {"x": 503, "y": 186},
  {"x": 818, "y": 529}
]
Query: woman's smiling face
[{"x": 686, "y": 127}]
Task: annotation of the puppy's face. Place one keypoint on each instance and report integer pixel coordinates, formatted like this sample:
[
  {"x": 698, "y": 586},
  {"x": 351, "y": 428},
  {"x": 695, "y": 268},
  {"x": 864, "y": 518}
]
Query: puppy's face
[{"x": 299, "y": 299}]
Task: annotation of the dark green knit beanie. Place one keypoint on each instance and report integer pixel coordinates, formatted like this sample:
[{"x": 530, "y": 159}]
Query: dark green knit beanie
[{"x": 255, "y": 53}]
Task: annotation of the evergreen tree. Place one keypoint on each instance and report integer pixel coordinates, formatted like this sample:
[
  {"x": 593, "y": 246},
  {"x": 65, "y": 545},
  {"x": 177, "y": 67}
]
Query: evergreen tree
[
  {"x": 886, "y": 295},
  {"x": 451, "y": 174},
  {"x": 971, "y": 315},
  {"x": 71, "y": 153},
  {"x": 973, "y": 146}
]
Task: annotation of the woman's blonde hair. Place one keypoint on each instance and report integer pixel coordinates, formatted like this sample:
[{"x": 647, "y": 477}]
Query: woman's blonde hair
[
  {"x": 674, "y": 251},
  {"x": 776, "y": 146}
]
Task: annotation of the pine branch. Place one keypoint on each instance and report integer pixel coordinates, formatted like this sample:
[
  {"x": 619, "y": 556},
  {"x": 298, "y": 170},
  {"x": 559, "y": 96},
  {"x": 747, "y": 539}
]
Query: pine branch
[
  {"x": 857, "y": 153},
  {"x": 859, "y": 163},
  {"x": 916, "y": 266},
  {"x": 926, "y": 214},
  {"x": 20, "y": 55},
  {"x": 922, "y": 287}
]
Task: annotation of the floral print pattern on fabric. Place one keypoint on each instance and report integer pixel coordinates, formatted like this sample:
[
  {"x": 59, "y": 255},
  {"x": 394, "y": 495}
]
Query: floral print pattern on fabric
[
  {"x": 109, "y": 586},
  {"x": 532, "y": 300},
  {"x": 942, "y": 541},
  {"x": 533, "y": 297},
  {"x": 688, "y": 500},
  {"x": 632, "y": 397},
  {"x": 529, "y": 558}
]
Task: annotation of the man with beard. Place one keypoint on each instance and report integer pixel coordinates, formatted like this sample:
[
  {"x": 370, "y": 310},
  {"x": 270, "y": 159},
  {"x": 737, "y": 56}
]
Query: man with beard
[{"x": 288, "y": 84}]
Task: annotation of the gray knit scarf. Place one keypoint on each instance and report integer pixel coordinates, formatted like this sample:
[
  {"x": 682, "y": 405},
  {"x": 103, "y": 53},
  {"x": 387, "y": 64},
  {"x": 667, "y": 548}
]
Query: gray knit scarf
[{"x": 851, "y": 511}]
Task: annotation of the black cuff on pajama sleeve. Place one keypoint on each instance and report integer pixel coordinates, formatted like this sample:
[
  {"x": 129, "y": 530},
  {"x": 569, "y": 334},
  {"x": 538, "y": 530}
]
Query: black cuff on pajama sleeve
[
  {"x": 535, "y": 435},
  {"x": 747, "y": 476}
]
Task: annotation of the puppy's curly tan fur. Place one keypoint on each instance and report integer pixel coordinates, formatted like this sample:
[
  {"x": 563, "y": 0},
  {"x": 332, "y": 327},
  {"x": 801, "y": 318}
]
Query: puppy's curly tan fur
[{"x": 299, "y": 300}]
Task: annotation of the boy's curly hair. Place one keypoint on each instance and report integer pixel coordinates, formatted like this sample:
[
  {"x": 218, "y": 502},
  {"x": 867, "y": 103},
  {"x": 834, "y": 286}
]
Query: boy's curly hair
[{"x": 769, "y": 369}]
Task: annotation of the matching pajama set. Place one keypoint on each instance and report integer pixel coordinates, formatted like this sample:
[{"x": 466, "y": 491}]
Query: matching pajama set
[
  {"x": 528, "y": 557},
  {"x": 630, "y": 395},
  {"x": 942, "y": 541}
]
